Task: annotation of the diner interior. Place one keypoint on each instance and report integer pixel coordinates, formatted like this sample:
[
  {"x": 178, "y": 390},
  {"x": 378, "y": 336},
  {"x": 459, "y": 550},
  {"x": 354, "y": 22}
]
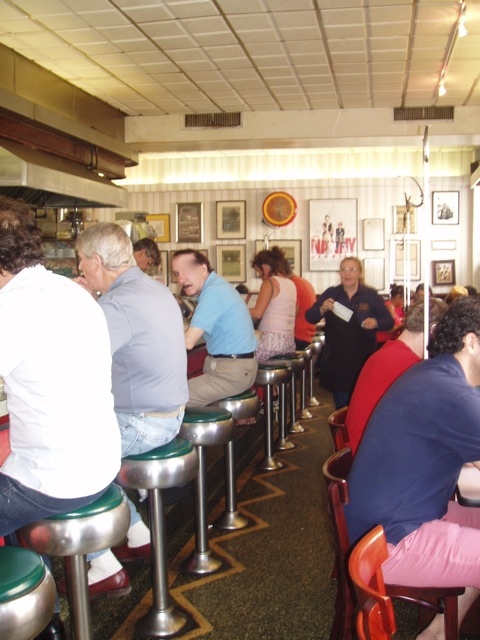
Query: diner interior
[{"x": 169, "y": 115}]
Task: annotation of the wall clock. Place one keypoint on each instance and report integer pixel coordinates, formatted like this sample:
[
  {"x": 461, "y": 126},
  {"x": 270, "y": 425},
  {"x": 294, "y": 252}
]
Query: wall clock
[{"x": 279, "y": 209}]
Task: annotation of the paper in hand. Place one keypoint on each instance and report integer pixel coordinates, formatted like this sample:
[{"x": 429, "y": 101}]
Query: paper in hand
[{"x": 342, "y": 311}]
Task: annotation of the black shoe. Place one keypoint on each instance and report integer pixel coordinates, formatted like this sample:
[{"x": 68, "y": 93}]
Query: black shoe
[{"x": 54, "y": 630}]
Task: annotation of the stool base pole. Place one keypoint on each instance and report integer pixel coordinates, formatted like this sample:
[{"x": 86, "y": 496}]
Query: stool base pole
[
  {"x": 231, "y": 519},
  {"x": 202, "y": 560},
  {"x": 202, "y": 563},
  {"x": 77, "y": 583},
  {"x": 305, "y": 414},
  {"x": 269, "y": 462},
  {"x": 160, "y": 624},
  {"x": 282, "y": 443}
]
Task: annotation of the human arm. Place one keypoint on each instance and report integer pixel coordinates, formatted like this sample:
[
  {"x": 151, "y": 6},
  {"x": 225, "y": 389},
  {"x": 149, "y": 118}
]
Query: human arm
[
  {"x": 192, "y": 336},
  {"x": 378, "y": 317},
  {"x": 319, "y": 308},
  {"x": 263, "y": 300}
]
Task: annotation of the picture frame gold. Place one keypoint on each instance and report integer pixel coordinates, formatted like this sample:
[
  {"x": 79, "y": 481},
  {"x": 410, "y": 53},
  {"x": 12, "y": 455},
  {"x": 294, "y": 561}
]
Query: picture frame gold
[{"x": 161, "y": 223}]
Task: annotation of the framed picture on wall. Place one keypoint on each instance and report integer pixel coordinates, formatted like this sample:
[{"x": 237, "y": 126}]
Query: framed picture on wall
[
  {"x": 333, "y": 232},
  {"x": 291, "y": 248},
  {"x": 163, "y": 271},
  {"x": 231, "y": 219},
  {"x": 161, "y": 223},
  {"x": 405, "y": 259},
  {"x": 374, "y": 234},
  {"x": 231, "y": 262},
  {"x": 405, "y": 220},
  {"x": 189, "y": 222},
  {"x": 374, "y": 271},
  {"x": 445, "y": 207},
  {"x": 443, "y": 273}
]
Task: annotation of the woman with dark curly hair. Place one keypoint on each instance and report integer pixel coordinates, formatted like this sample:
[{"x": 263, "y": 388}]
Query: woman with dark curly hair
[{"x": 276, "y": 304}]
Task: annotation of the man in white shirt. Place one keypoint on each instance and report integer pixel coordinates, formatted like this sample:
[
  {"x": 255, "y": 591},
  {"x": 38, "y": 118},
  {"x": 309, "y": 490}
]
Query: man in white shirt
[{"x": 64, "y": 436}]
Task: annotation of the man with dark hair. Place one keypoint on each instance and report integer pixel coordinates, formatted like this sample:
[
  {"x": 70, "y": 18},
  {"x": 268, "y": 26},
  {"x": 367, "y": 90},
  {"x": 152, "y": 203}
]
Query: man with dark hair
[
  {"x": 48, "y": 358},
  {"x": 423, "y": 430},
  {"x": 223, "y": 318},
  {"x": 386, "y": 365}
]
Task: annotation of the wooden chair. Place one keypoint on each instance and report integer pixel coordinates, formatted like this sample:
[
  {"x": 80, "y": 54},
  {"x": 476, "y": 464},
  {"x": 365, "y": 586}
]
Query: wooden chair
[
  {"x": 336, "y": 422},
  {"x": 430, "y": 600},
  {"x": 376, "y": 617}
]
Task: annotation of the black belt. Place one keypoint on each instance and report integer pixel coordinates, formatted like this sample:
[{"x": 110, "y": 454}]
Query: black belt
[{"x": 234, "y": 355}]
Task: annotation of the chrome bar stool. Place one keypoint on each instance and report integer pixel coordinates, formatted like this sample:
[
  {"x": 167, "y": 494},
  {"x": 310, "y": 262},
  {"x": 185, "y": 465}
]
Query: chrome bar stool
[
  {"x": 27, "y": 594},
  {"x": 307, "y": 353},
  {"x": 204, "y": 426},
  {"x": 171, "y": 465},
  {"x": 317, "y": 346},
  {"x": 270, "y": 374},
  {"x": 100, "y": 525},
  {"x": 242, "y": 406},
  {"x": 296, "y": 363}
]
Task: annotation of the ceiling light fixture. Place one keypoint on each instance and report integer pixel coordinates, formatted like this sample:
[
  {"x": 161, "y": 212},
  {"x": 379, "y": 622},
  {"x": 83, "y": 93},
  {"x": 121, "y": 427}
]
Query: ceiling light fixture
[
  {"x": 441, "y": 88},
  {"x": 457, "y": 28}
]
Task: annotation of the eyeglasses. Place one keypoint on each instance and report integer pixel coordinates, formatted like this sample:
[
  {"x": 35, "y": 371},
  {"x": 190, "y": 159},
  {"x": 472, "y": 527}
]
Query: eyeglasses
[{"x": 349, "y": 269}]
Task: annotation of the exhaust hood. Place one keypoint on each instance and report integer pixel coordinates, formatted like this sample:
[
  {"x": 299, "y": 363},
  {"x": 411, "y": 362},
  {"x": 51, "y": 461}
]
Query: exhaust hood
[{"x": 44, "y": 181}]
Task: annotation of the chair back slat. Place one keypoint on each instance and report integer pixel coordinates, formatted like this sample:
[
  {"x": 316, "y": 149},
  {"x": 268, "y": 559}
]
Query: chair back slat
[{"x": 338, "y": 430}]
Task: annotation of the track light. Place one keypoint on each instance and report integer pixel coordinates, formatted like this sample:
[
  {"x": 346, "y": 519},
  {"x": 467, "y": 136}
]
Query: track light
[
  {"x": 462, "y": 29},
  {"x": 441, "y": 88}
]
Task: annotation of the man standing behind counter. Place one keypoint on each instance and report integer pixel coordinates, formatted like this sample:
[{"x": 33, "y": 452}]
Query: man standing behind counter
[
  {"x": 223, "y": 318},
  {"x": 149, "y": 369}
]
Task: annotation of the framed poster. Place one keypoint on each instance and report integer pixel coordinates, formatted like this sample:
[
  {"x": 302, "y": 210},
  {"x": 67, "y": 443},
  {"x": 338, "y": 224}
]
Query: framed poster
[
  {"x": 443, "y": 273},
  {"x": 161, "y": 223},
  {"x": 374, "y": 234},
  {"x": 333, "y": 232},
  {"x": 405, "y": 220},
  {"x": 445, "y": 207},
  {"x": 406, "y": 259},
  {"x": 231, "y": 219},
  {"x": 291, "y": 248},
  {"x": 189, "y": 222},
  {"x": 231, "y": 262},
  {"x": 374, "y": 272}
]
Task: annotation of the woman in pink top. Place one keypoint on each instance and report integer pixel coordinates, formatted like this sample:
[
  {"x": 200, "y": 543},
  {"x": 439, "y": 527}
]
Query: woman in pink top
[{"x": 276, "y": 304}]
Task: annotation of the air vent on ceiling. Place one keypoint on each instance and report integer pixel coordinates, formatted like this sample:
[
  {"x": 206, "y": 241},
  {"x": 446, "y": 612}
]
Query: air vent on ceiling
[
  {"x": 212, "y": 120},
  {"x": 423, "y": 113}
]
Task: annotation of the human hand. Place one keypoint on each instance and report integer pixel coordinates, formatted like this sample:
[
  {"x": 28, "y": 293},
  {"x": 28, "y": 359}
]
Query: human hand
[
  {"x": 82, "y": 281},
  {"x": 327, "y": 306},
  {"x": 370, "y": 323}
]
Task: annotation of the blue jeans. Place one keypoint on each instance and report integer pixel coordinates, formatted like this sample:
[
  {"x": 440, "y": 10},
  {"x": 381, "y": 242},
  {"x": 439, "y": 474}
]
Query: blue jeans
[
  {"x": 141, "y": 433},
  {"x": 20, "y": 505}
]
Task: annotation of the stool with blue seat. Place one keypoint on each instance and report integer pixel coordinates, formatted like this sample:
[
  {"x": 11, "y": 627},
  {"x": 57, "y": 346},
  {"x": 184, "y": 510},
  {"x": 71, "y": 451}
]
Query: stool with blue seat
[
  {"x": 27, "y": 594},
  {"x": 270, "y": 374},
  {"x": 100, "y": 525},
  {"x": 203, "y": 427},
  {"x": 171, "y": 465},
  {"x": 243, "y": 406}
]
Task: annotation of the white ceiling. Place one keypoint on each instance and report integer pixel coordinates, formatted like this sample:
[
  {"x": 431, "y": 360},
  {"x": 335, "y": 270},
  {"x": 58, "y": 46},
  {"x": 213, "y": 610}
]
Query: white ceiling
[{"x": 154, "y": 57}]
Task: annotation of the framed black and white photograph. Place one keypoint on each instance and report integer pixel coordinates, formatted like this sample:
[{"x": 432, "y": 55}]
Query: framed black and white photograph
[
  {"x": 333, "y": 232},
  {"x": 189, "y": 222},
  {"x": 231, "y": 219},
  {"x": 291, "y": 248},
  {"x": 443, "y": 273},
  {"x": 374, "y": 273},
  {"x": 231, "y": 263},
  {"x": 445, "y": 207}
]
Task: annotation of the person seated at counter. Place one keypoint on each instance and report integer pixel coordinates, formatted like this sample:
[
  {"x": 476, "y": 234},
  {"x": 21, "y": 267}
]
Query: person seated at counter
[
  {"x": 64, "y": 437},
  {"x": 149, "y": 371},
  {"x": 146, "y": 254},
  {"x": 423, "y": 430},
  {"x": 386, "y": 365},
  {"x": 223, "y": 320}
]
